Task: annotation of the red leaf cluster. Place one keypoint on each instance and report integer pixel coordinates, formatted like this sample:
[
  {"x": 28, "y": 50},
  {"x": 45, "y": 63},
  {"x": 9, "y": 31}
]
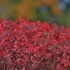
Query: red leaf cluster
[{"x": 28, "y": 45}]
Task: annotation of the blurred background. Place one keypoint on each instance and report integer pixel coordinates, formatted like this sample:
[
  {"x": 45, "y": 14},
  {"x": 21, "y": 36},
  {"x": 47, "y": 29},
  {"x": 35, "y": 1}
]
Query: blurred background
[{"x": 53, "y": 11}]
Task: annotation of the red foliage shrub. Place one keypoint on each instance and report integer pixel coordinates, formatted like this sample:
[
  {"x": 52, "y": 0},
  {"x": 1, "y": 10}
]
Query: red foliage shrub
[{"x": 28, "y": 45}]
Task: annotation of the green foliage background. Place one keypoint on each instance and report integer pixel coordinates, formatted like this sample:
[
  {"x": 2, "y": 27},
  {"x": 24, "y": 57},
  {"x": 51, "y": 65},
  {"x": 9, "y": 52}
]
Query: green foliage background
[{"x": 53, "y": 11}]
